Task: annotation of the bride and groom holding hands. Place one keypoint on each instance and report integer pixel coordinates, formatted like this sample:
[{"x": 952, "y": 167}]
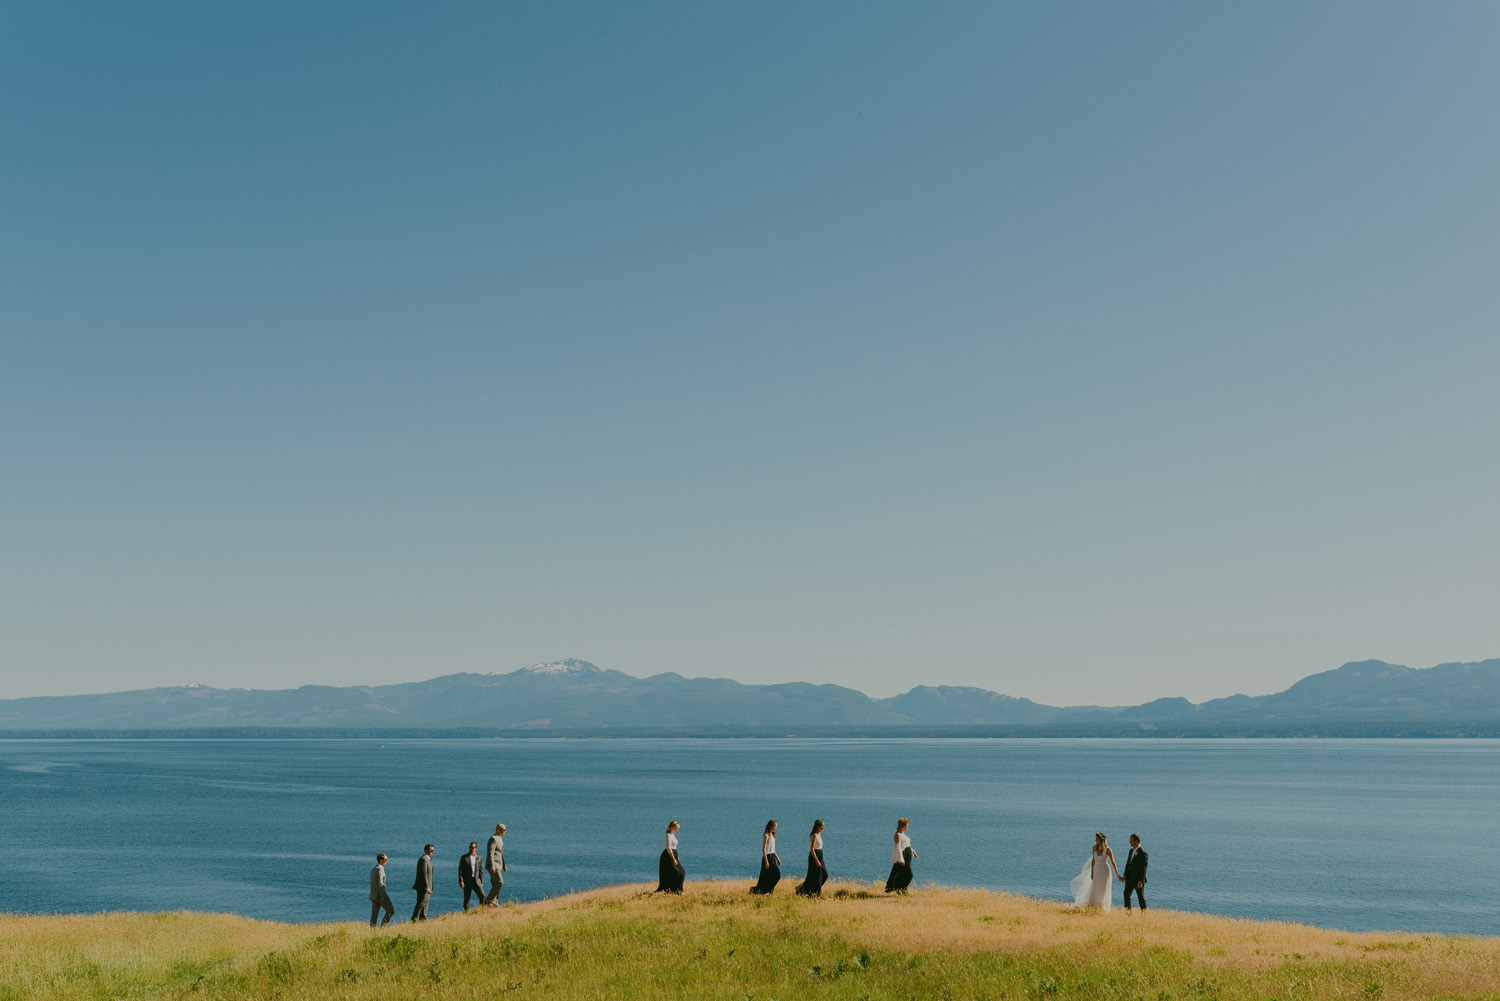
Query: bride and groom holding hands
[{"x": 1093, "y": 886}]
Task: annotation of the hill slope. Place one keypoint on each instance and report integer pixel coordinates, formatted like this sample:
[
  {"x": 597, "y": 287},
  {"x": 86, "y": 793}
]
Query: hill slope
[{"x": 718, "y": 942}]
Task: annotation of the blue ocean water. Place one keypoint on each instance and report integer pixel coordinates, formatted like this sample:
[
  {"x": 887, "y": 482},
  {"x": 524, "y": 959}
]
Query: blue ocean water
[{"x": 1358, "y": 834}]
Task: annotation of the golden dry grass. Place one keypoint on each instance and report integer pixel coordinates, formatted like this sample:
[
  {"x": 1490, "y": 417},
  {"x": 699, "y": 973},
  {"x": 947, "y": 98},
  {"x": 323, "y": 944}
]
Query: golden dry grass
[{"x": 717, "y": 941}]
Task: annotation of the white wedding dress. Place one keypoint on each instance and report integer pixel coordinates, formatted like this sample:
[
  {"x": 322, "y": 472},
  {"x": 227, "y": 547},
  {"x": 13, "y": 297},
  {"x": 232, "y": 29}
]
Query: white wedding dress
[{"x": 1096, "y": 890}]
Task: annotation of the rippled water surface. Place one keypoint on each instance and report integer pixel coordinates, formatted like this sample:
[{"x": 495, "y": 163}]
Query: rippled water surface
[{"x": 1353, "y": 834}]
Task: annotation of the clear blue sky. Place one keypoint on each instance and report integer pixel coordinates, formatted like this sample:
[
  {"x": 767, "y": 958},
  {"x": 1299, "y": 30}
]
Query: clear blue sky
[{"x": 1084, "y": 352}]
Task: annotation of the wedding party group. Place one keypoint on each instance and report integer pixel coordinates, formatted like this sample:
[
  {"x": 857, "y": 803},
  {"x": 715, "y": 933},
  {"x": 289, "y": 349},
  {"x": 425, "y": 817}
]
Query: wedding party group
[
  {"x": 1094, "y": 885},
  {"x": 1091, "y": 888},
  {"x": 672, "y": 874}
]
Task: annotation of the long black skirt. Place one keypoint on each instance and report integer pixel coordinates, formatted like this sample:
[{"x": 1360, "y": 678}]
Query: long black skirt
[
  {"x": 671, "y": 874},
  {"x": 900, "y": 877},
  {"x": 817, "y": 874},
  {"x": 770, "y": 874}
]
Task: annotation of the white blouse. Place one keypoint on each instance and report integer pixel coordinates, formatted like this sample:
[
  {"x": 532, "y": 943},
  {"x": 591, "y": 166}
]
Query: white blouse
[
  {"x": 671, "y": 841},
  {"x": 902, "y": 843},
  {"x": 770, "y": 844},
  {"x": 817, "y": 841}
]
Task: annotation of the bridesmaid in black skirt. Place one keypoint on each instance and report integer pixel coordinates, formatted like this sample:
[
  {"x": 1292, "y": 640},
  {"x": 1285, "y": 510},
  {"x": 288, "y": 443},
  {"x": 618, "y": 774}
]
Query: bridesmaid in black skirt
[
  {"x": 770, "y": 862},
  {"x": 670, "y": 868},
  {"x": 817, "y": 871},
  {"x": 900, "y": 877}
]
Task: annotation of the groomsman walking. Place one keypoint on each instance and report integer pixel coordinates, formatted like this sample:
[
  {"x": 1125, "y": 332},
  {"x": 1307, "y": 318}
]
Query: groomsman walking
[
  {"x": 1135, "y": 872},
  {"x": 494, "y": 853},
  {"x": 379, "y": 899},
  {"x": 423, "y": 884},
  {"x": 471, "y": 875}
]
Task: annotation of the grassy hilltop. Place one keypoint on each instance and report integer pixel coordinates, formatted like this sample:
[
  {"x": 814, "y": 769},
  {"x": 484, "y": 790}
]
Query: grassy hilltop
[{"x": 719, "y": 942}]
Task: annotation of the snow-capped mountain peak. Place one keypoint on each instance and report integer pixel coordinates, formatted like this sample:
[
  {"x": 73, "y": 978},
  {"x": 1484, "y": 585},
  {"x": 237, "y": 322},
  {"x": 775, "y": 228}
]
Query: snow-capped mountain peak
[{"x": 569, "y": 667}]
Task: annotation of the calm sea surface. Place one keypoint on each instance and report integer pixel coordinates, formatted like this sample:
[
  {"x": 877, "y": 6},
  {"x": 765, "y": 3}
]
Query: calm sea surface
[{"x": 1368, "y": 834}]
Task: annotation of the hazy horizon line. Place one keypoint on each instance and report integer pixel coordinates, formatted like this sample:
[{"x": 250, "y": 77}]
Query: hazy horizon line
[{"x": 748, "y": 684}]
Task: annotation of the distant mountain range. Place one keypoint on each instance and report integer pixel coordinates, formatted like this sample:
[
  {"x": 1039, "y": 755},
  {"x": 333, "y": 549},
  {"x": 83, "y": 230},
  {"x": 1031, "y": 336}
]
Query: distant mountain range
[{"x": 574, "y": 696}]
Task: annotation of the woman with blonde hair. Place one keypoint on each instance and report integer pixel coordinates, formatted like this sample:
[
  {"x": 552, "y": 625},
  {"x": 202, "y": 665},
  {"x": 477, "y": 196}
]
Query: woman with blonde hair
[
  {"x": 670, "y": 867},
  {"x": 1094, "y": 886},
  {"x": 901, "y": 857}
]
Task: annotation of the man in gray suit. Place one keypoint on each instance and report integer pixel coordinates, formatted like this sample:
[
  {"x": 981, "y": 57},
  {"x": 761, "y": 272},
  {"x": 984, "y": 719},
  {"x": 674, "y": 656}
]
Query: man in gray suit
[
  {"x": 423, "y": 885},
  {"x": 471, "y": 875},
  {"x": 494, "y": 861},
  {"x": 378, "y": 897}
]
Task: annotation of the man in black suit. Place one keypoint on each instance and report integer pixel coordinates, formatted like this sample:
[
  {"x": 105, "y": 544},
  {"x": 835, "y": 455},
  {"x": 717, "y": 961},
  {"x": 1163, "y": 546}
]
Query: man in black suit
[
  {"x": 471, "y": 874},
  {"x": 423, "y": 885},
  {"x": 1135, "y": 872}
]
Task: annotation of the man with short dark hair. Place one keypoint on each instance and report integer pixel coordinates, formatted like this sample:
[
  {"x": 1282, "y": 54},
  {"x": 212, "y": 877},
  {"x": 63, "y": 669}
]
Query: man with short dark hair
[
  {"x": 471, "y": 875},
  {"x": 1135, "y": 872},
  {"x": 378, "y": 897},
  {"x": 423, "y": 884},
  {"x": 494, "y": 853}
]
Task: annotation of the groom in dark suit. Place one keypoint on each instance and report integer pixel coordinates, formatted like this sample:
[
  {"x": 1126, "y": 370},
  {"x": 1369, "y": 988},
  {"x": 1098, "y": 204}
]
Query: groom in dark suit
[{"x": 1135, "y": 872}]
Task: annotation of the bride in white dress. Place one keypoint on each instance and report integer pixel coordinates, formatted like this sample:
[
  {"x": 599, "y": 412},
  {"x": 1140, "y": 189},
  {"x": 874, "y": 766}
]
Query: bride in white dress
[{"x": 1093, "y": 887}]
